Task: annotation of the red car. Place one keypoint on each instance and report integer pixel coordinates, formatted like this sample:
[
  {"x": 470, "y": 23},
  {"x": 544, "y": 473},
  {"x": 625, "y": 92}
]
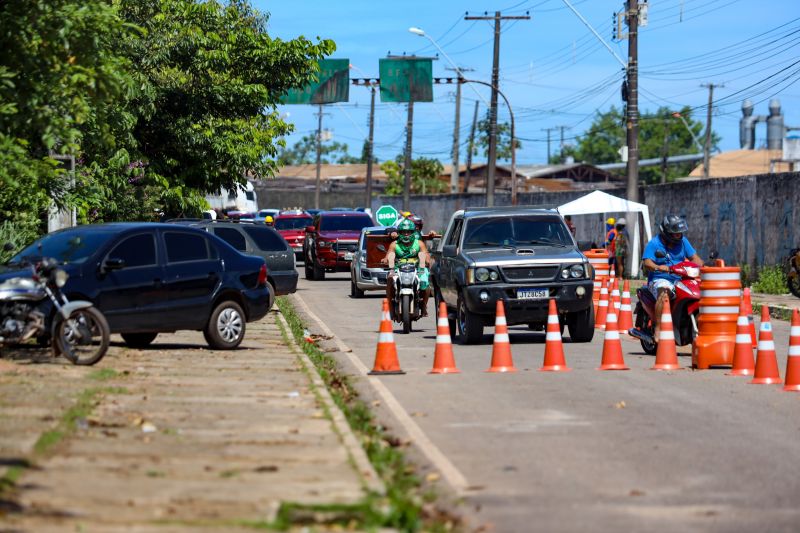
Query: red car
[
  {"x": 292, "y": 227},
  {"x": 331, "y": 242}
]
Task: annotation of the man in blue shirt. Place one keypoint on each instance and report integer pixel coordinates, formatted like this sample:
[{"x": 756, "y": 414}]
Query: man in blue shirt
[{"x": 676, "y": 248}]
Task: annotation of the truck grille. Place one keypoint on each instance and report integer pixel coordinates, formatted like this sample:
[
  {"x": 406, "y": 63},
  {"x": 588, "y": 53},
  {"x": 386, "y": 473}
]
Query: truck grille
[
  {"x": 531, "y": 273},
  {"x": 345, "y": 246}
]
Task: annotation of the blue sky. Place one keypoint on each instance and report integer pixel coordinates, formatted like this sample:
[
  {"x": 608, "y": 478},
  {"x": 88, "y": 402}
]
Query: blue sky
[{"x": 552, "y": 69}]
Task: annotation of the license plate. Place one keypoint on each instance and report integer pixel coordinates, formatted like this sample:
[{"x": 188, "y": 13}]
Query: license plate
[
  {"x": 348, "y": 256},
  {"x": 532, "y": 294}
]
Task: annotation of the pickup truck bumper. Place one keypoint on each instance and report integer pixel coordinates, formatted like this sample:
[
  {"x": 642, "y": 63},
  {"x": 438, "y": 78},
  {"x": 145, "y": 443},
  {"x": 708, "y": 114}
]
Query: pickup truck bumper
[{"x": 526, "y": 311}]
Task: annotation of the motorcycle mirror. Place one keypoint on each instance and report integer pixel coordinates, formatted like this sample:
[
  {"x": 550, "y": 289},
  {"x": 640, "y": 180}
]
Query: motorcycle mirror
[
  {"x": 661, "y": 254},
  {"x": 381, "y": 248},
  {"x": 713, "y": 255}
]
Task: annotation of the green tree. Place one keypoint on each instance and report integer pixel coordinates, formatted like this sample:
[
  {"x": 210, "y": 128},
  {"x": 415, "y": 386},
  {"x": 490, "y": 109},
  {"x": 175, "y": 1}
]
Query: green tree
[
  {"x": 425, "y": 174},
  {"x": 503, "y": 139},
  {"x": 660, "y": 134},
  {"x": 304, "y": 152}
]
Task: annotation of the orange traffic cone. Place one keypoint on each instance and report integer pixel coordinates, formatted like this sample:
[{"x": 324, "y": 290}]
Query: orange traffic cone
[
  {"x": 767, "y": 371},
  {"x": 748, "y": 305},
  {"x": 743, "y": 361},
  {"x": 553, "y": 348},
  {"x": 612, "y": 347},
  {"x": 443, "y": 361},
  {"x": 793, "y": 359},
  {"x": 666, "y": 354},
  {"x": 501, "y": 349},
  {"x": 386, "y": 353},
  {"x": 625, "y": 312},
  {"x": 615, "y": 296},
  {"x": 385, "y": 315},
  {"x": 602, "y": 307}
]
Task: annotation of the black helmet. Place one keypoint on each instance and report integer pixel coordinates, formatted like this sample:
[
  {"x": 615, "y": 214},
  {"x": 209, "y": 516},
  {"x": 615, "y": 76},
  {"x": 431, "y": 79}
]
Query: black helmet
[{"x": 672, "y": 228}]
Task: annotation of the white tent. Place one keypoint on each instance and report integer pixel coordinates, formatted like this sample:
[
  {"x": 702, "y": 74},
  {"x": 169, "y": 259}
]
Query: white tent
[{"x": 601, "y": 202}]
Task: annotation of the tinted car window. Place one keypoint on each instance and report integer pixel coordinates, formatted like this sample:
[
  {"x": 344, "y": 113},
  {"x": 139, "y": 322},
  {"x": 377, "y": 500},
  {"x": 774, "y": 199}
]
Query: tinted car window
[
  {"x": 515, "y": 230},
  {"x": 266, "y": 239},
  {"x": 293, "y": 223},
  {"x": 136, "y": 251},
  {"x": 339, "y": 223},
  {"x": 185, "y": 247},
  {"x": 232, "y": 237},
  {"x": 73, "y": 246}
]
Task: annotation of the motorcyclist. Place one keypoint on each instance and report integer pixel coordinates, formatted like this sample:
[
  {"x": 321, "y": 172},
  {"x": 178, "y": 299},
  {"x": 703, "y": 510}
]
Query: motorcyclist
[
  {"x": 409, "y": 248},
  {"x": 676, "y": 248}
]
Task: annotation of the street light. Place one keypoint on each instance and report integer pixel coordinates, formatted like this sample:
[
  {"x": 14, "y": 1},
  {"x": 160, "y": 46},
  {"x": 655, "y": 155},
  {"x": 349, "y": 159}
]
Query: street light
[
  {"x": 676, "y": 114},
  {"x": 461, "y": 79}
]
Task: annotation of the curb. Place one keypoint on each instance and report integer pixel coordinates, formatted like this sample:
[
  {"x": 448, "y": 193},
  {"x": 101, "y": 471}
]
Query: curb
[{"x": 371, "y": 481}]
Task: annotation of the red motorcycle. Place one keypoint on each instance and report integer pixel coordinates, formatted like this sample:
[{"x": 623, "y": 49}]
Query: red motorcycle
[{"x": 685, "y": 307}]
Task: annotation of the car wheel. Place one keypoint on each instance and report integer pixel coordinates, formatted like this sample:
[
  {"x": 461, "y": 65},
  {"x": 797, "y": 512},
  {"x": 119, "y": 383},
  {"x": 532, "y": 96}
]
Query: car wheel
[
  {"x": 470, "y": 325},
  {"x": 319, "y": 272},
  {"x": 226, "y": 327},
  {"x": 581, "y": 325},
  {"x": 355, "y": 292},
  {"x": 138, "y": 340}
]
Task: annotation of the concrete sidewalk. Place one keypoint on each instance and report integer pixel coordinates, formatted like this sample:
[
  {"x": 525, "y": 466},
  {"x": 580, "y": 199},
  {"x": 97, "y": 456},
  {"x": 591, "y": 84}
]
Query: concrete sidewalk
[{"x": 182, "y": 436}]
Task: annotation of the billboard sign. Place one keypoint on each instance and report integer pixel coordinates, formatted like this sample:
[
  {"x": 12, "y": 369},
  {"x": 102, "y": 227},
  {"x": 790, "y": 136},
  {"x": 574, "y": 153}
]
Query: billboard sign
[
  {"x": 333, "y": 85},
  {"x": 406, "y": 79}
]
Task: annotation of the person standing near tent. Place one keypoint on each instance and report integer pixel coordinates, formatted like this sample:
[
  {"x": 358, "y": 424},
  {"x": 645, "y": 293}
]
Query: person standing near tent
[
  {"x": 570, "y": 225},
  {"x": 621, "y": 247},
  {"x": 611, "y": 233}
]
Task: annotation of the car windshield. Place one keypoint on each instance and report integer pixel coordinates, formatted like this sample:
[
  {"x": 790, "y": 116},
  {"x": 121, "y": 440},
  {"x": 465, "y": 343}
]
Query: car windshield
[
  {"x": 515, "y": 231},
  {"x": 66, "y": 247},
  {"x": 336, "y": 223},
  {"x": 293, "y": 223}
]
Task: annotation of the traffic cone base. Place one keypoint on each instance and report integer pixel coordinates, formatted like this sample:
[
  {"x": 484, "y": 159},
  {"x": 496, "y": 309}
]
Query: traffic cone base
[
  {"x": 443, "y": 360},
  {"x": 553, "y": 346},
  {"x": 386, "y": 362},
  {"x": 501, "y": 347}
]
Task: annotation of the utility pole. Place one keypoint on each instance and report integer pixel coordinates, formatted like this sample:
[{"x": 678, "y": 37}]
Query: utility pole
[
  {"x": 471, "y": 147},
  {"x": 707, "y": 145},
  {"x": 665, "y": 151},
  {"x": 632, "y": 108},
  {"x": 407, "y": 169},
  {"x": 548, "y": 130},
  {"x": 561, "y": 145},
  {"x": 492, "y": 162},
  {"x": 370, "y": 147},
  {"x": 454, "y": 172},
  {"x": 319, "y": 157}
]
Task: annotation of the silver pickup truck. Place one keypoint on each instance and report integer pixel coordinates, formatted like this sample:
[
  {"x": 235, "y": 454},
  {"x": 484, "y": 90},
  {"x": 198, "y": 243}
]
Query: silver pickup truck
[{"x": 524, "y": 256}]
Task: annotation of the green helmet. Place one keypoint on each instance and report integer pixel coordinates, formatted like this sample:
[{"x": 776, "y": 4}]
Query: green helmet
[{"x": 406, "y": 229}]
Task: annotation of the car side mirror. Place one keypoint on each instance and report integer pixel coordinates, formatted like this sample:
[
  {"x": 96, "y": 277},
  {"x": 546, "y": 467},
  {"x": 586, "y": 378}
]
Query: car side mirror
[
  {"x": 309, "y": 229},
  {"x": 661, "y": 254},
  {"x": 449, "y": 250},
  {"x": 112, "y": 264}
]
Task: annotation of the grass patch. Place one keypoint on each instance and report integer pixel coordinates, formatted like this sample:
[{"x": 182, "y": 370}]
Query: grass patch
[
  {"x": 155, "y": 473},
  {"x": 10, "y": 478},
  {"x": 104, "y": 374},
  {"x": 403, "y": 507},
  {"x": 771, "y": 280}
]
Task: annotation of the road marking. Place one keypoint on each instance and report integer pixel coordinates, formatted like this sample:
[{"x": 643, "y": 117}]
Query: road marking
[{"x": 448, "y": 470}]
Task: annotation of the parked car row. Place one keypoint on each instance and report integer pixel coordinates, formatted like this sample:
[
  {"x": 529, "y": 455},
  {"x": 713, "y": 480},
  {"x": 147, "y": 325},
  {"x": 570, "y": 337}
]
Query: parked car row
[{"x": 149, "y": 278}]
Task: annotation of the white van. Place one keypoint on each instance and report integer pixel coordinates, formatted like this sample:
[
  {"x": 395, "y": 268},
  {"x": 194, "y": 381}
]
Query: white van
[{"x": 235, "y": 200}]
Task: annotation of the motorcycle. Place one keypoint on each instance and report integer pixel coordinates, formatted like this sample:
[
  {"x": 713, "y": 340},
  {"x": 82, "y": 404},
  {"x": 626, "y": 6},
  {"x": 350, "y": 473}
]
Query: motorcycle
[
  {"x": 78, "y": 330},
  {"x": 685, "y": 307},
  {"x": 407, "y": 300},
  {"x": 793, "y": 272}
]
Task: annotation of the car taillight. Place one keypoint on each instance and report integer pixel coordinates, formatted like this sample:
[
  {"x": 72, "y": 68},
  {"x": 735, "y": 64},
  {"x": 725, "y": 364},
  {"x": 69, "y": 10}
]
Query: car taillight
[{"x": 262, "y": 275}]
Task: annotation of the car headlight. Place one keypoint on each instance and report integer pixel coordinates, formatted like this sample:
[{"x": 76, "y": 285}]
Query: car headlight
[
  {"x": 60, "y": 278},
  {"x": 565, "y": 273},
  {"x": 483, "y": 274},
  {"x": 576, "y": 271}
]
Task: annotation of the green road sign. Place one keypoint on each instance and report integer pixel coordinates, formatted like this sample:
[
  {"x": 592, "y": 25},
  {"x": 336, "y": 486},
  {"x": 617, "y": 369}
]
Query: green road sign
[
  {"x": 333, "y": 85},
  {"x": 386, "y": 215},
  {"x": 406, "y": 79}
]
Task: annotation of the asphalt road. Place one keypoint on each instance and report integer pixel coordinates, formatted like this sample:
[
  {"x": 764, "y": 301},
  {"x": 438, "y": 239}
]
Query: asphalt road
[{"x": 587, "y": 450}]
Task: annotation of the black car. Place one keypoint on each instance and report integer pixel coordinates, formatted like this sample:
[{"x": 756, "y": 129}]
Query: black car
[
  {"x": 263, "y": 241},
  {"x": 149, "y": 278}
]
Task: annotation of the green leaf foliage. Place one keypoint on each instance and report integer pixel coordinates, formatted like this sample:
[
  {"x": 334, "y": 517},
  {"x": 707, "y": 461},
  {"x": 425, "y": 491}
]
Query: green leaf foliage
[
  {"x": 425, "y": 174},
  {"x": 503, "y": 139}
]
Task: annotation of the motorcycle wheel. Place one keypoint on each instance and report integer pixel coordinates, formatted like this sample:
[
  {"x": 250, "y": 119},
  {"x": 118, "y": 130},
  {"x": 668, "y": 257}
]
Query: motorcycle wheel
[
  {"x": 83, "y": 337},
  {"x": 405, "y": 311}
]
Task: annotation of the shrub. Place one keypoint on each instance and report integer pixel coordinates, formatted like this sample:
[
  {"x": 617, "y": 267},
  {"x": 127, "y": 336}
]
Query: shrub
[{"x": 771, "y": 280}]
